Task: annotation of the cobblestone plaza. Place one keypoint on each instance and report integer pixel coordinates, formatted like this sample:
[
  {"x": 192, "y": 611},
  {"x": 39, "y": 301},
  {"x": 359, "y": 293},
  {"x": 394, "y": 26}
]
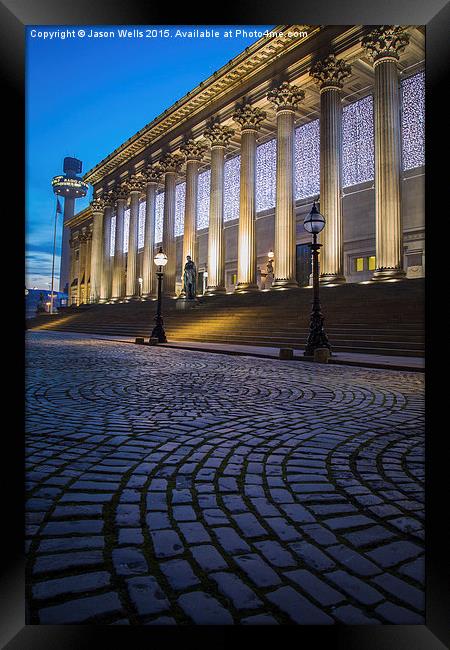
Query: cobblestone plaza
[{"x": 176, "y": 487}]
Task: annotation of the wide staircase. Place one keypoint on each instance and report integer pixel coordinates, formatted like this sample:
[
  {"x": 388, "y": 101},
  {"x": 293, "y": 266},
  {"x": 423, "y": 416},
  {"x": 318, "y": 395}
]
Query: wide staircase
[{"x": 376, "y": 318}]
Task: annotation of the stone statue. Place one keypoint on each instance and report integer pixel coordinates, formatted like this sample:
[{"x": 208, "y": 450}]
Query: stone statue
[
  {"x": 269, "y": 276},
  {"x": 190, "y": 279}
]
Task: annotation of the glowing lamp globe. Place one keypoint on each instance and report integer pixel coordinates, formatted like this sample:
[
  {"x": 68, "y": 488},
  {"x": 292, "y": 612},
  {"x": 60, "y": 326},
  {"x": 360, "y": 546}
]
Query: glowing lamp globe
[
  {"x": 270, "y": 254},
  {"x": 160, "y": 258},
  {"x": 314, "y": 222}
]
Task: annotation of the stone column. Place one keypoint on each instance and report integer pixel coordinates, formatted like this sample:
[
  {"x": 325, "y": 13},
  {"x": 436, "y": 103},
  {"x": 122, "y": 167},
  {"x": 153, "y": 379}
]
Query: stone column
[
  {"x": 330, "y": 74},
  {"x": 384, "y": 46},
  {"x": 83, "y": 238},
  {"x": 118, "y": 283},
  {"x": 105, "y": 289},
  {"x": 170, "y": 165},
  {"x": 219, "y": 136},
  {"x": 193, "y": 153},
  {"x": 97, "y": 209},
  {"x": 249, "y": 119},
  {"x": 285, "y": 98},
  {"x": 135, "y": 187},
  {"x": 153, "y": 177},
  {"x": 73, "y": 243},
  {"x": 88, "y": 265}
]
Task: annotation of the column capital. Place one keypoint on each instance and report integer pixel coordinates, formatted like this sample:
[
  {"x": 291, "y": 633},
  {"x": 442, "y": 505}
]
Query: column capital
[
  {"x": 136, "y": 183},
  {"x": 152, "y": 173},
  {"x": 171, "y": 163},
  {"x": 249, "y": 117},
  {"x": 385, "y": 43},
  {"x": 84, "y": 235},
  {"x": 330, "y": 72},
  {"x": 285, "y": 96},
  {"x": 193, "y": 150},
  {"x": 218, "y": 134},
  {"x": 109, "y": 199},
  {"x": 97, "y": 204},
  {"x": 121, "y": 192}
]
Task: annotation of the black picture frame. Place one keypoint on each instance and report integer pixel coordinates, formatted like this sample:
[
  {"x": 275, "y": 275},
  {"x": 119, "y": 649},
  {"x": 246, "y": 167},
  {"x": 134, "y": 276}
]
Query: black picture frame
[{"x": 15, "y": 15}]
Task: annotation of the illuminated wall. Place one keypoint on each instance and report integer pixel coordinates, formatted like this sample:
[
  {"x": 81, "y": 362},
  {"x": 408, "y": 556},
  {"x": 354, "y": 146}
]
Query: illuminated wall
[
  {"x": 180, "y": 199},
  {"x": 159, "y": 215},
  {"x": 358, "y": 142},
  {"x": 126, "y": 227},
  {"x": 204, "y": 187},
  {"x": 266, "y": 175},
  {"x": 141, "y": 224},
  {"x": 413, "y": 121},
  {"x": 357, "y": 162},
  {"x": 231, "y": 187},
  {"x": 307, "y": 160},
  {"x": 112, "y": 240}
]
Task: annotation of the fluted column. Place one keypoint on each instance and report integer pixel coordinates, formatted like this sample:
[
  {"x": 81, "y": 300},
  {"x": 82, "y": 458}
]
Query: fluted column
[
  {"x": 384, "y": 46},
  {"x": 249, "y": 119},
  {"x": 193, "y": 153},
  {"x": 73, "y": 243},
  {"x": 97, "y": 209},
  {"x": 153, "y": 177},
  {"x": 105, "y": 289},
  {"x": 136, "y": 187},
  {"x": 285, "y": 97},
  {"x": 118, "y": 284},
  {"x": 170, "y": 164},
  {"x": 330, "y": 74},
  {"x": 219, "y": 136},
  {"x": 83, "y": 237},
  {"x": 88, "y": 265}
]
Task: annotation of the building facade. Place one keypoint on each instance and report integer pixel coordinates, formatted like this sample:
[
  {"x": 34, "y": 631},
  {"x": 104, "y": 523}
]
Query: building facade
[{"x": 228, "y": 172}]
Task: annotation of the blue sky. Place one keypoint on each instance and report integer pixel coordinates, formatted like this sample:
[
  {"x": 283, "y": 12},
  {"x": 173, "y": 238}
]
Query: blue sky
[{"x": 85, "y": 96}]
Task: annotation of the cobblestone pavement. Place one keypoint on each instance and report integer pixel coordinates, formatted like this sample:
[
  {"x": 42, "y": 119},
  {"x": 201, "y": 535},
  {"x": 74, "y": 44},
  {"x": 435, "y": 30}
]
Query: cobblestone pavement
[{"x": 169, "y": 486}]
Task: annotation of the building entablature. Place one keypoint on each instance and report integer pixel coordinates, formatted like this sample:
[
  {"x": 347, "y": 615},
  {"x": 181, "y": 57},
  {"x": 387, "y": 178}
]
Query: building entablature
[{"x": 250, "y": 78}]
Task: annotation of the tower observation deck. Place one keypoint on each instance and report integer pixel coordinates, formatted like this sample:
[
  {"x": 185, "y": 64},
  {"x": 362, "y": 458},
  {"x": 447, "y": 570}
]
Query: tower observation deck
[{"x": 71, "y": 187}]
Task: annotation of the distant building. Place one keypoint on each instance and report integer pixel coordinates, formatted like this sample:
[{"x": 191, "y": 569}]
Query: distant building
[{"x": 37, "y": 298}]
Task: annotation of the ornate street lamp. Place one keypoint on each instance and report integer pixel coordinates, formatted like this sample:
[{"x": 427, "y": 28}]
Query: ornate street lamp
[
  {"x": 158, "y": 332},
  {"x": 314, "y": 223}
]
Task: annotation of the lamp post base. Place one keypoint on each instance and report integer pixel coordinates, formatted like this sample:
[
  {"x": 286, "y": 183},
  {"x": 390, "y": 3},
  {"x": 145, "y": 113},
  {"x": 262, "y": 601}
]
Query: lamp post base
[
  {"x": 158, "y": 331},
  {"x": 317, "y": 337}
]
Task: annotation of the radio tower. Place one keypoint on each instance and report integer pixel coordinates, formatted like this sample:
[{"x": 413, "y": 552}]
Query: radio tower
[{"x": 71, "y": 187}]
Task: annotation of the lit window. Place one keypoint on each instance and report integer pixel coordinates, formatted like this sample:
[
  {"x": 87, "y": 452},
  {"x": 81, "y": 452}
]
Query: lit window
[
  {"x": 266, "y": 175},
  {"x": 126, "y": 228},
  {"x": 112, "y": 240},
  {"x": 413, "y": 121},
  {"x": 231, "y": 187},
  {"x": 204, "y": 188},
  {"x": 141, "y": 224},
  {"x": 358, "y": 142},
  {"x": 359, "y": 264},
  {"x": 159, "y": 216},
  {"x": 180, "y": 199},
  {"x": 371, "y": 263},
  {"x": 307, "y": 160}
]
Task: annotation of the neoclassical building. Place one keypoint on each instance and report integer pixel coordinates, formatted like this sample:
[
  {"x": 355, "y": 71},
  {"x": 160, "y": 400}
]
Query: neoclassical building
[{"x": 228, "y": 172}]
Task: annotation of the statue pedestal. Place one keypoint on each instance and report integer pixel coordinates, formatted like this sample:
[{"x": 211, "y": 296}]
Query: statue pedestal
[{"x": 186, "y": 303}]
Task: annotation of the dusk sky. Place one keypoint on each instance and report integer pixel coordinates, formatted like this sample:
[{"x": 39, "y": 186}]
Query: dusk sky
[{"x": 86, "y": 96}]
